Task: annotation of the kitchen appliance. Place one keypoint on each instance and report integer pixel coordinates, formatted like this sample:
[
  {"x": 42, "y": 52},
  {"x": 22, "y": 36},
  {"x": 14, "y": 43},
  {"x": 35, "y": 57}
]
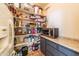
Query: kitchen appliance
[
  {"x": 45, "y": 31},
  {"x": 54, "y": 32}
]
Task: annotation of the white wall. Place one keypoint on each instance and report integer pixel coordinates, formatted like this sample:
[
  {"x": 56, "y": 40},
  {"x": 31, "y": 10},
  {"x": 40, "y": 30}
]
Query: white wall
[{"x": 66, "y": 18}]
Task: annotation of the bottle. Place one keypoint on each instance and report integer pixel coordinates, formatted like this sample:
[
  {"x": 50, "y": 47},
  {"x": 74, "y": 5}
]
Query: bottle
[{"x": 33, "y": 47}]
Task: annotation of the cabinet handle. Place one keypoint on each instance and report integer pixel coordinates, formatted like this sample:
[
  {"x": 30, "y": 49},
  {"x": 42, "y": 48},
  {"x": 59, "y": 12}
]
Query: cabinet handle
[{"x": 4, "y": 29}]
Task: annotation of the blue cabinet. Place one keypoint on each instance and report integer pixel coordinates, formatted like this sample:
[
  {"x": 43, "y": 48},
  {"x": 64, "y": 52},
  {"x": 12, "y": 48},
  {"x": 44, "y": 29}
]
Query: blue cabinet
[
  {"x": 50, "y": 48},
  {"x": 54, "y": 51},
  {"x": 48, "y": 53},
  {"x": 42, "y": 45},
  {"x": 67, "y": 51},
  {"x": 54, "y": 45}
]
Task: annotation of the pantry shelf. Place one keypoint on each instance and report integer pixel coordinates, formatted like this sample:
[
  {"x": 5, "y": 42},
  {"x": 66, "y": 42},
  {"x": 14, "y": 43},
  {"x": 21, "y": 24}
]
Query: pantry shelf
[
  {"x": 20, "y": 44},
  {"x": 27, "y": 35},
  {"x": 31, "y": 13}
]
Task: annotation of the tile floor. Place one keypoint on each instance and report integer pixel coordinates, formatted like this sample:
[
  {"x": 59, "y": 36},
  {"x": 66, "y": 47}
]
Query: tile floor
[{"x": 35, "y": 53}]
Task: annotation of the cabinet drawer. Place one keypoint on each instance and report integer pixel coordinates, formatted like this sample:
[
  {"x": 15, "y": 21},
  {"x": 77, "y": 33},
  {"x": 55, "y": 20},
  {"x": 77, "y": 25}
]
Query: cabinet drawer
[
  {"x": 67, "y": 51},
  {"x": 48, "y": 53},
  {"x": 54, "y": 51},
  {"x": 52, "y": 44}
]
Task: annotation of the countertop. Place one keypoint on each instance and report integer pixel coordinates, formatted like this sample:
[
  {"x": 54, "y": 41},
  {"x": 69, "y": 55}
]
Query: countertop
[{"x": 66, "y": 42}]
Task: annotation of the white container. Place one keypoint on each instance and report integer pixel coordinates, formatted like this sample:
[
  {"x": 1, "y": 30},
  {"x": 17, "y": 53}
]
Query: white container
[{"x": 36, "y": 9}]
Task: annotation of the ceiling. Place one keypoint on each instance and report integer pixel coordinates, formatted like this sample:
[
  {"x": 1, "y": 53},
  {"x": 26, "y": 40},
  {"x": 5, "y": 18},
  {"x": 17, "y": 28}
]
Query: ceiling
[{"x": 42, "y": 5}]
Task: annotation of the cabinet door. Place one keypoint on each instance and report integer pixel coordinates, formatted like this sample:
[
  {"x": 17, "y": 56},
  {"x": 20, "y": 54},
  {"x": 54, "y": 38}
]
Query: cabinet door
[
  {"x": 53, "y": 51},
  {"x": 48, "y": 53},
  {"x": 42, "y": 45},
  {"x": 52, "y": 44},
  {"x": 67, "y": 51}
]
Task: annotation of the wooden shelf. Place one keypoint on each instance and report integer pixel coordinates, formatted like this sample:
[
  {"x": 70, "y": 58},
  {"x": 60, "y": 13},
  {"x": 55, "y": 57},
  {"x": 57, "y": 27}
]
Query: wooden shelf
[
  {"x": 21, "y": 35},
  {"x": 20, "y": 18},
  {"x": 27, "y": 35},
  {"x": 31, "y": 13},
  {"x": 20, "y": 44},
  {"x": 18, "y": 27}
]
